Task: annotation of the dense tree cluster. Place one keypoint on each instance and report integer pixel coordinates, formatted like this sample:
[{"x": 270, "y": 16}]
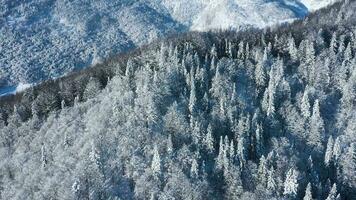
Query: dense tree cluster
[{"x": 250, "y": 115}]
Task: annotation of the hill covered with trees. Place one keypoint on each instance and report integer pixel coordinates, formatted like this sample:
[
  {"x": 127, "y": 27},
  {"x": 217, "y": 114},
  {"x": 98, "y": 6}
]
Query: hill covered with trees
[
  {"x": 256, "y": 114},
  {"x": 45, "y": 39}
]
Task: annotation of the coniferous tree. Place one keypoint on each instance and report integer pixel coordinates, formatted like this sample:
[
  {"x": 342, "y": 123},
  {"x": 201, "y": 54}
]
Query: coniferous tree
[
  {"x": 333, "y": 193},
  {"x": 329, "y": 152},
  {"x": 317, "y": 130},
  {"x": 308, "y": 193},
  {"x": 156, "y": 161},
  {"x": 291, "y": 184}
]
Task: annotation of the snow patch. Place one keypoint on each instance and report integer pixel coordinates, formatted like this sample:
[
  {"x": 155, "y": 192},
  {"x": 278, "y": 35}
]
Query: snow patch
[
  {"x": 22, "y": 86},
  {"x": 14, "y": 89},
  {"x": 313, "y": 5}
]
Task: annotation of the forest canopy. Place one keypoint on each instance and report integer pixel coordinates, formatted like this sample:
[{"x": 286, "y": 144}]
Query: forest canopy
[{"x": 256, "y": 114}]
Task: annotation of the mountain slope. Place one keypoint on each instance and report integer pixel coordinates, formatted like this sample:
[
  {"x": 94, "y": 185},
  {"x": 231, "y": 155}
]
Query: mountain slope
[
  {"x": 255, "y": 114},
  {"x": 47, "y": 39}
]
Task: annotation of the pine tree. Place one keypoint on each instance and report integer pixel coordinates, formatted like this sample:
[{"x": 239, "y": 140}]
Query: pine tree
[
  {"x": 260, "y": 73},
  {"x": 333, "y": 43},
  {"x": 130, "y": 68},
  {"x": 169, "y": 144},
  {"x": 305, "y": 106},
  {"x": 209, "y": 140},
  {"x": 314, "y": 176},
  {"x": 44, "y": 156},
  {"x": 263, "y": 171},
  {"x": 156, "y": 161},
  {"x": 317, "y": 130},
  {"x": 233, "y": 182},
  {"x": 94, "y": 155},
  {"x": 219, "y": 162},
  {"x": 231, "y": 152},
  {"x": 241, "y": 151},
  {"x": 337, "y": 149},
  {"x": 329, "y": 151},
  {"x": 259, "y": 147},
  {"x": 92, "y": 88},
  {"x": 308, "y": 193},
  {"x": 194, "y": 169},
  {"x": 349, "y": 166},
  {"x": 192, "y": 97},
  {"x": 63, "y": 104},
  {"x": 272, "y": 186},
  {"x": 240, "y": 52},
  {"x": 292, "y": 50},
  {"x": 291, "y": 183},
  {"x": 333, "y": 193}
]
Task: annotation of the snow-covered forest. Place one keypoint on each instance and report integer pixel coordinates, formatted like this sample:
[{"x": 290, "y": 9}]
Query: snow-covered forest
[
  {"x": 44, "y": 39},
  {"x": 256, "y": 114}
]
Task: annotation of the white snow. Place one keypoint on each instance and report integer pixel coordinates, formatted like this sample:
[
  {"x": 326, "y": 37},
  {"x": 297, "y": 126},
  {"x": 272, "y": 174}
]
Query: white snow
[
  {"x": 63, "y": 32},
  {"x": 313, "y": 5},
  {"x": 22, "y": 86}
]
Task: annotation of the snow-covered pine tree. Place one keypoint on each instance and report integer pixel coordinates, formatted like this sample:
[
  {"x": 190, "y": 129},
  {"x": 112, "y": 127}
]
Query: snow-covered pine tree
[
  {"x": 308, "y": 193},
  {"x": 291, "y": 183}
]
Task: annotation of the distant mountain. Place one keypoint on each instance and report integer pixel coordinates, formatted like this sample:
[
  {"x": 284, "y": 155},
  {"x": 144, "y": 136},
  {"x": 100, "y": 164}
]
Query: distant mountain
[
  {"x": 247, "y": 115},
  {"x": 49, "y": 38}
]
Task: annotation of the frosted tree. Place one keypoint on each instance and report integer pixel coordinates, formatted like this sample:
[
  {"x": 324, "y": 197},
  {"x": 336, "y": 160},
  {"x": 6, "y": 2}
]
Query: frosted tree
[
  {"x": 259, "y": 146},
  {"x": 333, "y": 193},
  {"x": 291, "y": 183},
  {"x": 348, "y": 163},
  {"x": 156, "y": 161},
  {"x": 94, "y": 155},
  {"x": 209, "y": 140},
  {"x": 43, "y": 156},
  {"x": 230, "y": 49},
  {"x": 260, "y": 72},
  {"x": 272, "y": 185},
  {"x": 225, "y": 157},
  {"x": 247, "y": 51},
  {"x": 231, "y": 152},
  {"x": 169, "y": 144},
  {"x": 242, "y": 151},
  {"x": 308, "y": 193},
  {"x": 196, "y": 132},
  {"x": 305, "y": 105},
  {"x": 192, "y": 97},
  {"x": 276, "y": 76},
  {"x": 240, "y": 52},
  {"x": 348, "y": 53},
  {"x": 194, "y": 173},
  {"x": 341, "y": 48},
  {"x": 233, "y": 182},
  {"x": 63, "y": 104},
  {"x": 92, "y": 88},
  {"x": 329, "y": 151},
  {"x": 76, "y": 100},
  {"x": 219, "y": 162},
  {"x": 317, "y": 130},
  {"x": 307, "y": 60},
  {"x": 333, "y": 44},
  {"x": 263, "y": 171},
  {"x": 213, "y": 51},
  {"x": 130, "y": 68},
  {"x": 337, "y": 149},
  {"x": 292, "y": 49},
  {"x": 314, "y": 176}
]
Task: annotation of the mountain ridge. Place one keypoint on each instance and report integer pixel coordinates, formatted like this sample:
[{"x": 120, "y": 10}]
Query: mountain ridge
[{"x": 53, "y": 38}]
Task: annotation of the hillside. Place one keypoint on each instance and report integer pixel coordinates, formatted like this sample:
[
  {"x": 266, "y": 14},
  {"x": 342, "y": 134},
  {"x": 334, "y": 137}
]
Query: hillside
[
  {"x": 254, "y": 114},
  {"x": 48, "y": 39}
]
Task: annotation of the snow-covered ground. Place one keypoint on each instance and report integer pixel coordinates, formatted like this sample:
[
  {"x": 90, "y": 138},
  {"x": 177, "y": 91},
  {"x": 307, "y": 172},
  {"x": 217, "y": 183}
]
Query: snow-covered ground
[
  {"x": 313, "y": 5},
  {"x": 42, "y": 39},
  {"x": 14, "y": 89}
]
